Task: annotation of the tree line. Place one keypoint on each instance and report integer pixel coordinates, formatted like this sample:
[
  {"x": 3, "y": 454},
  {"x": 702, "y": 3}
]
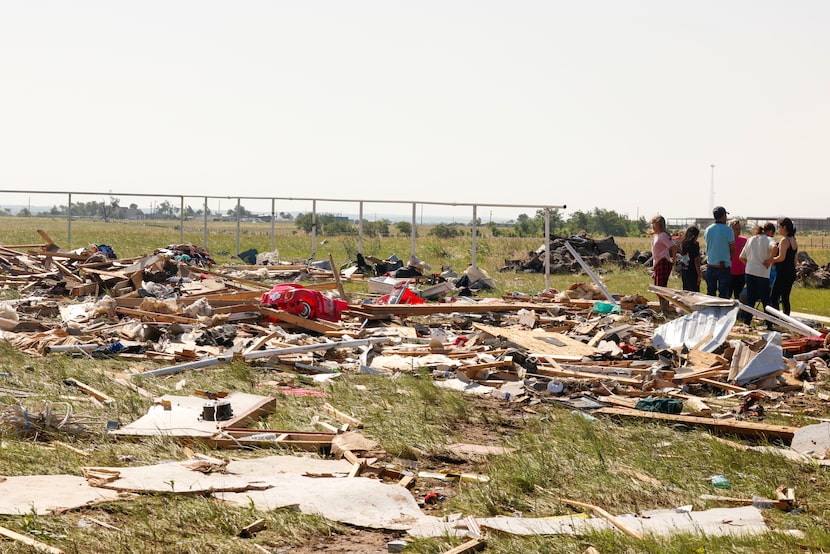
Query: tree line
[{"x": 597, "y": 222}]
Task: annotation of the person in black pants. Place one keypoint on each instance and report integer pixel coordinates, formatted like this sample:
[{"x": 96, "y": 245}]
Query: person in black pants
[{"x": 784, "y": 266}]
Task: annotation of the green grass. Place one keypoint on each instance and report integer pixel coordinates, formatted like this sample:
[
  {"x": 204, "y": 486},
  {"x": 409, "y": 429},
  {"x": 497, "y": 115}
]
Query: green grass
[{"x": 557, "y": 453}]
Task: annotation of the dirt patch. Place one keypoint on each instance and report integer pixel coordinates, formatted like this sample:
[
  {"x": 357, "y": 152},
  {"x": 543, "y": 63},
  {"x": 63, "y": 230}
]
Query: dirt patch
[{"x": 364, "y": 541}]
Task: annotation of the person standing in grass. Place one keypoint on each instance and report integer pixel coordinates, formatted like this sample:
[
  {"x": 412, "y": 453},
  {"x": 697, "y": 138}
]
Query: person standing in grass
[
  {"x": 757, "y": 254},
  {"x": 784, "y": 266},
  {"x": 738, "y": 269},
  {"x": 663, "y": 253},
  {"x": 720, "y": 247},
  {"x": 690, "y": 272}
]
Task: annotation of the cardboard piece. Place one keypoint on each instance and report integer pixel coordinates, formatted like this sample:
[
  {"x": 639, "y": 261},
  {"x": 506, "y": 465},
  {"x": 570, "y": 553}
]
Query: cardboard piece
[{"x": 45, "y": 494}]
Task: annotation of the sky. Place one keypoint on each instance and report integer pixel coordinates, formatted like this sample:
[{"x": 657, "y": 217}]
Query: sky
[{"x": 641, "y": 107}]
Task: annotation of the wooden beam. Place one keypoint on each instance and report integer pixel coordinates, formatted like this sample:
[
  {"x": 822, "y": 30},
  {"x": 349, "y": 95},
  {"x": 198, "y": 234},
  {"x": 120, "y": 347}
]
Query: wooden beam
[
  {"x": 612, "y": 519},
  {"x": 727, "y": 426},
  {"x": 337, "y": 280},
  {"x": 298, "y": 321},
  {"x": 342, "y": 416},
  {"x": 37, "y": 545},
  {"x": 472, "y": 545}
]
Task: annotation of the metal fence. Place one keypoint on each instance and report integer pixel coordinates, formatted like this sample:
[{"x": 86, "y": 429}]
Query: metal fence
[{"x": 177, "y": 206}]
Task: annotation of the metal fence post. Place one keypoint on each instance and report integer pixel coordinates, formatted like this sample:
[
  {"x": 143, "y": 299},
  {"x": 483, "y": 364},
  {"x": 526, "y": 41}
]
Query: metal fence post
[
  {"x": 69, "y": 222},
  {"x": 205, "y": 231},
  {"x": 238, "y": 224},
  {"x": 474, "y": 246},
  {"x": 413, "y": 233},
  {"x": 181, "y": 219},
  {"x": 313, "y": 229},
  {"x": 273, "y": 225},
  {"x": 547, "y": 249},
  {"x": 360, "y": 228}
]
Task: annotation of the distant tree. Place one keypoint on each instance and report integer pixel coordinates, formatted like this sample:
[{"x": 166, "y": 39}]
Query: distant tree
[
  {"x": 24, "y": 213},
  {"x": 110, "y": 210},
  {"x": 242, "y": 212},
  {"x": 609, "y": 223},
  {"x": 165, "y": 210},
  {"x": 378, "y": 228},
  {"x": 338, "y": 227},
  {"x": 404, "y": 227},
  {"x": 444, "y": 231}
]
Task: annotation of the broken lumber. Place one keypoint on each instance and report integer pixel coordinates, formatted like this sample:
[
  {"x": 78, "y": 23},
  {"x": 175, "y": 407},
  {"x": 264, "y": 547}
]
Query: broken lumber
[
  {"x": 95, "y": 393},
  {"x": 612, "y": 519},
  {"x": 472, "y": 545},
  {"x": 735, "y": 427},
  {"x": 342, "y": 416},
  {"x": 37, "y": 545}
]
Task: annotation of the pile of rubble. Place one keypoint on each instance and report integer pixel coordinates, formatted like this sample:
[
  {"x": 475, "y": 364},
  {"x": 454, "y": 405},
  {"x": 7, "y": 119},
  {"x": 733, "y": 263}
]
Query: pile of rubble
[
  {"x": 578, "y": 348},
  {"x": 809, "y": 273},
  {"x": 595, "y": 253}
]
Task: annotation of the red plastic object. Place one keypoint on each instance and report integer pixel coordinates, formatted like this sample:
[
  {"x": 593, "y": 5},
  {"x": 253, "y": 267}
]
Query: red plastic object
[
  {"x": 308, "y": 303},
  {"x": 401, "y": 294}
]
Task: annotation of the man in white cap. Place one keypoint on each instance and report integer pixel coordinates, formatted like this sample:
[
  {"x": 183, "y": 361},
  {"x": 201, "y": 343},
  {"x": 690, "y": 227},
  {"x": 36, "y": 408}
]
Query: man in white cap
[{"x": 720, "y": 246}]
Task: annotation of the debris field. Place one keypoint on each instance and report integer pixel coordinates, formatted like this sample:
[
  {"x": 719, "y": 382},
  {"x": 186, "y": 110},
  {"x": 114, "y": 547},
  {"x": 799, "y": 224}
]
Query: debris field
[{"x": 599, "y": 355}]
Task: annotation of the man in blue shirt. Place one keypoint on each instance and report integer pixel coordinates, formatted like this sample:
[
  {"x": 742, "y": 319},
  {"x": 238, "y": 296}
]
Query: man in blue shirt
[{"x": 720, "y": 246}]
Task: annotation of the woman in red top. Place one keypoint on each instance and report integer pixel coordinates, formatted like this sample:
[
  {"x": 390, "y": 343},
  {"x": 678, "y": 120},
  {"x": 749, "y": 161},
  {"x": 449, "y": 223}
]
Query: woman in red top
[
  {"x": 663, "y": 253},
  {"x": 738, "y": 265}
]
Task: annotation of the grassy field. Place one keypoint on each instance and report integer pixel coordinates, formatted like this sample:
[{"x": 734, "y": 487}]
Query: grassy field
[{"x": 558, "y": 454}]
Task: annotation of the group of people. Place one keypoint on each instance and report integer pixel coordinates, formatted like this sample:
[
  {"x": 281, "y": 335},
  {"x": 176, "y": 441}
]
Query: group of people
[{"x": 755, "y": 269}]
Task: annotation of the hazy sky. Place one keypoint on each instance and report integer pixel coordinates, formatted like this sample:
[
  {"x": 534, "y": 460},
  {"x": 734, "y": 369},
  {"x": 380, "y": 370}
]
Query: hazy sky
[{"x": 621, "y": 105}]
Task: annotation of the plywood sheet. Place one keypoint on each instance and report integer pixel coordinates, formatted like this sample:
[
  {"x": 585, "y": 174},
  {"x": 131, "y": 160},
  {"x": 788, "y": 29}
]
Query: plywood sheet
[{"x": 541, "y": 342}]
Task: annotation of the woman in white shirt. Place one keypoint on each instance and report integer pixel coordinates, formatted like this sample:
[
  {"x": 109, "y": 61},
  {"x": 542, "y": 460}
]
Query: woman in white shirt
[{"x": 757, "y": 254}]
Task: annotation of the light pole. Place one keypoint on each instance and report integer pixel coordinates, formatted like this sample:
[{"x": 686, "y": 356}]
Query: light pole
[{"x": 712, "y": 188}]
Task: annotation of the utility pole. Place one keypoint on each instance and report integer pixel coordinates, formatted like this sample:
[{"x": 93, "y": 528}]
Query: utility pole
[{"x": 712, "y": 189}]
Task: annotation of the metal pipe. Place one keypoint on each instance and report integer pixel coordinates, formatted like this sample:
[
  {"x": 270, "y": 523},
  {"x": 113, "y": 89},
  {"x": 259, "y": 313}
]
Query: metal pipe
[
  {"x": 205, "y": 230},
  {"x": 796, "y": 325},
  {"x": 69, "y": 222},
  {"x": 473, "y": 252},
  {"x": 547, "y": 249},
  {"x": 360, "y": 228},
  {"x": 88, "y": 347},
  {"x": 238, "y": 224},
  {"x": 590, "y": 273},
  {"x": 172, "y": 370},
  {"x": 413, "y": 233},
  {"x": 273, "y": 225},
  {"x": 313, "y": 230}
]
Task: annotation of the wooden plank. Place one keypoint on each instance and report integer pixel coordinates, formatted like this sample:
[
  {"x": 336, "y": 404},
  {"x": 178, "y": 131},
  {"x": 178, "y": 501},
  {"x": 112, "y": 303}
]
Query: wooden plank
[
  {"x": 342, "y": 416},
  {"x": 612, "y": 519},
  {"x": 631, "y": 381},
  {"x": 264, "y": 407},
  {"x": 155, "y": 316},
  {"x": 443, "y": 308},
  {"x": 95, "y": 393},
  {"x": 309, "y": 324},
  {"x": 37, "y": 545},
  {"x": 472, "y": 545},
  {"x": 727, "y": 426},
  {"x": 337, "y": 280},
  {"x": 724, "y": 386}
]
